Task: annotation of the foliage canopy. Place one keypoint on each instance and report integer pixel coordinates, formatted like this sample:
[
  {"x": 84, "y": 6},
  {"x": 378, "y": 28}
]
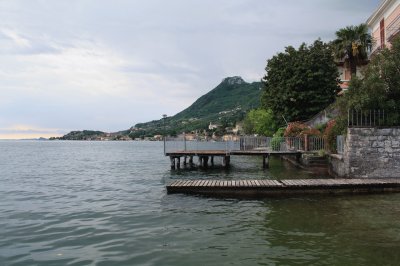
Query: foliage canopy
[
  {"x": 352, "y": 45},
  {"x": 300, "y": 83},
  {"x": 259, "y": 121},
  {"x": 380, "y": 87}
]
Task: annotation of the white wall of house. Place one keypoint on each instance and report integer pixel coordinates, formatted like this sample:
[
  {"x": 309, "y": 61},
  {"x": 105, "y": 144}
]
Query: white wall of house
[{"x": 384, "y": 23}]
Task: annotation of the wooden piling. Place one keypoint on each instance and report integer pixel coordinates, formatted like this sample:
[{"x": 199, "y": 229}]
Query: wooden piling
[
  {"x": 205, "y": 161},
  {"x": 226, "y": 160},
  {"x": 265, "y": 161},
  {"x": 172, "y": 159}
]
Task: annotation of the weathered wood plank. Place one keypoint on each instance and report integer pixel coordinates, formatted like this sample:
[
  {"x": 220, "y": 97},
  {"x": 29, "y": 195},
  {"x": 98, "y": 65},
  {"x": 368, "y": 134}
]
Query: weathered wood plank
[
  {"x": 184, "y": 182},
  {"x": 304, "y": 182},
  {"x": 291, "y": 182},
  {"x": 173, "y": 183},
  {"x": 267, "y": 183},
  {"x": 178, "y": 183},
  {"x": 262, "y": 183},
  {"x": 288, "y": 182},
  {"x": 274, "y": 187},
  {"x": 274, "y": 182}
]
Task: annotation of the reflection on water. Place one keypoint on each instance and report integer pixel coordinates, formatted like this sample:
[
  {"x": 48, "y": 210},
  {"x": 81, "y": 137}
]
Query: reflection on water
[{"x": 104, "y": 203}]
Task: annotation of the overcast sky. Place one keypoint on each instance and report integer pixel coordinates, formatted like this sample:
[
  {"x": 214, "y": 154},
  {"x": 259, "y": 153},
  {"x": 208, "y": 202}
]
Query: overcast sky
[{"x": 107, "y": 65}]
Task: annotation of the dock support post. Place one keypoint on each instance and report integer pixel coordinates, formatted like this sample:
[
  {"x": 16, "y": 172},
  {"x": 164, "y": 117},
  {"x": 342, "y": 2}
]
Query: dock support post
[
  {"x": 172, "y": 162},
  {"x": 212, "y": 160},
  {"x": 265, "y": 161},
  {"x": 184, "y": 160},
  {"x": 298, "y": 157},
  {"x": 225, "y": 161},
  {"x": 178, "y": 162},
  {"x": 191, "y": 161},
  {"x": 206, "y": 162}
]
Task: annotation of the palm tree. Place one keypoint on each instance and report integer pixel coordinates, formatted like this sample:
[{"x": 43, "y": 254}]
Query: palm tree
[{"x": 352, "y": 45}]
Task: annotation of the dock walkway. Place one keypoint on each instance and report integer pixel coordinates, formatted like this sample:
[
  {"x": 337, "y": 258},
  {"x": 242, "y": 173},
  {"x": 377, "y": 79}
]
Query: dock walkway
[
  {"x": 206, "y": 155},
  {"x": 273, "y": 188}
]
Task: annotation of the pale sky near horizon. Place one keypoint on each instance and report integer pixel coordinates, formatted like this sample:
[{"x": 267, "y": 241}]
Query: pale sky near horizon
[{"x": 107, "y": 65}]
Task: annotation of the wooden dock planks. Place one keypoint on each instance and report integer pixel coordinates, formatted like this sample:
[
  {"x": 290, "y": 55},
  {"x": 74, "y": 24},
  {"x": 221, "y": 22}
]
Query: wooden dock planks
[{"x": 283, "y": 187}]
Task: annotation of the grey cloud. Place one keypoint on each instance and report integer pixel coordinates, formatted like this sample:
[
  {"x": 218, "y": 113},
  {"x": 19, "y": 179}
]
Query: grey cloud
[{"x": 175, "y": 49}]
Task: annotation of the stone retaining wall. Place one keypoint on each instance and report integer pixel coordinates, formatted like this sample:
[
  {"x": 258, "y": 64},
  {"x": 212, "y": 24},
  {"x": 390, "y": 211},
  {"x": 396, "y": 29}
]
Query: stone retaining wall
[{"x": 369, "y": 153}]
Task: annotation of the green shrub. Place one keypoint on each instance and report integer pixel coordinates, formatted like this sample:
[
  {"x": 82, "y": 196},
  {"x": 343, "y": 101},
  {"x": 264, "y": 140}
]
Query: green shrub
[{"x": 276, "y": 143}]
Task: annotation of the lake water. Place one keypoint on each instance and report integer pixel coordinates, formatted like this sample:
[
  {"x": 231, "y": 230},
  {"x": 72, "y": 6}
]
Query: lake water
[{"x": 105, "y": 203}]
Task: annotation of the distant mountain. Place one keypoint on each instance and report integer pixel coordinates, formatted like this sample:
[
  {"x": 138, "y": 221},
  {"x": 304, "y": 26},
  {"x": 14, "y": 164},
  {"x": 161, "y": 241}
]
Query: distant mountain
[
  {"x": 225, "y": 105},
  {"x": 230, "y": 94}
]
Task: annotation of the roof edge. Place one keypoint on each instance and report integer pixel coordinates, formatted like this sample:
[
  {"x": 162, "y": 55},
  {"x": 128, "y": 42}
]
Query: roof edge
[{"x": 379, "y": 11}]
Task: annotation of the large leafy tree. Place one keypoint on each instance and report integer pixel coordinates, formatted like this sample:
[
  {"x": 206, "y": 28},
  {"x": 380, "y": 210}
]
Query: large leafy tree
[
  {"x": 352, "y": 45},
  {"x": 300, "y": 82}
]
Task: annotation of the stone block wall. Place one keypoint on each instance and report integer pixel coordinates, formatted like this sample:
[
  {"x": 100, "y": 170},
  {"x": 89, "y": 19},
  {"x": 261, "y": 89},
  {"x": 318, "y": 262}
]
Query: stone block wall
[{"x": 371, "y": 153}]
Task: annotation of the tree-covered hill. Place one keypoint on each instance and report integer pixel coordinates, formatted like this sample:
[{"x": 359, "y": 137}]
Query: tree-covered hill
[
  {"x": 231, "y": 93},
  {"x": 225, "y": 105}
]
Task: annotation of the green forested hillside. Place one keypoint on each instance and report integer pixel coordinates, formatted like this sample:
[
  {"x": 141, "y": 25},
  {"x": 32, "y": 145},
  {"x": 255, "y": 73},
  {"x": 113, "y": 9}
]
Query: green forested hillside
[
  {"x": 225, "y": 105},
  {"x": 229, "y": 94}
]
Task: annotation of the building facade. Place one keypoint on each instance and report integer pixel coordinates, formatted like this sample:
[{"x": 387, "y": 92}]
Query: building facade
[{"x": 385, "y": 24}]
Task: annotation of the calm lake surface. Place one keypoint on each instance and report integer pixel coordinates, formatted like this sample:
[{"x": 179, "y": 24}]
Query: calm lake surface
[{"x": 105, "y": 203}]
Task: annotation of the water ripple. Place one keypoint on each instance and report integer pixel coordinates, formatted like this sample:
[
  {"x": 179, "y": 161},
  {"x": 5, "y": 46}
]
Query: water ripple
[{"x": 99, "y": 203}]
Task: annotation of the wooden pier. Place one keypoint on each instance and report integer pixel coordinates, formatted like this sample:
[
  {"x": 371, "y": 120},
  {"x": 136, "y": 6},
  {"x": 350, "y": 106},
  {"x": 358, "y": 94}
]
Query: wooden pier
[
  {"x": 286, "y": 188},
  {"x": 207, "y": 156}
]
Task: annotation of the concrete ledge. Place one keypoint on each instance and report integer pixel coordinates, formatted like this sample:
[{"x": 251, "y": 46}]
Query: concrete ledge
[{"x": 336, "y": 156}]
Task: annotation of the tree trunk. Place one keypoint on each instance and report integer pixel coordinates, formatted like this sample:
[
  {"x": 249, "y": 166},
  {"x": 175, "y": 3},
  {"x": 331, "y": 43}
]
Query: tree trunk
[{"x": 353, "y": 66}]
